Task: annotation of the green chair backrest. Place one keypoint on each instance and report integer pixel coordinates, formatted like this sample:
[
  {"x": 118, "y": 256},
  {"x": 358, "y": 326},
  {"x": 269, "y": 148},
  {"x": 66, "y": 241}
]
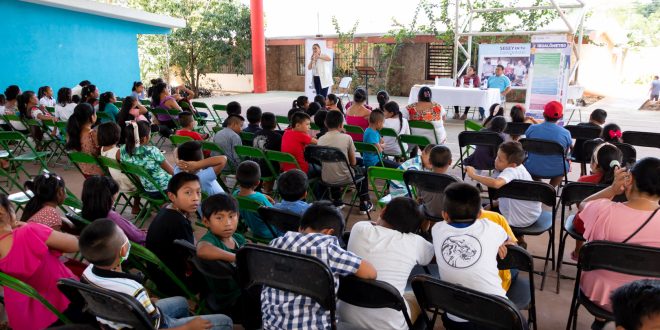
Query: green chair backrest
[
  {"x": 247, "y": 204},
  {"x": 50, "y": 109},
  {"x": 79, "y": 157},
  {"x": 200, "y": 105},
  {"x": 142, "y": 253},
  {"x": 471, "y": 125},
  {"x": 220, "y": 107},
  {"x": 178, "y": 139},
  {"x": 146, "y": 102},
  {"x": 249, "y": 152},
  {"x": 247, "y": 138},
  {"x": 376, "y": 173},
  {"x": 26, "y": 290},
  {"x": 284, "y": 120},
  {"x": 108, "y": 163},
  {"x": 421, "y": 141},
  {"x": 212, "y": 147},
  {"x": 421, "y": 124},
  {"x": 386, "y": 131},
  {"x": 104, "y": 115},
  {"x": 142, "y": 173},
  {"x": 354, "y": 129},
  {"x": 281, "y": 157},
  {"x": 119, "y": 104},
  {"x": 313, "y": 126},
  {"x": 363, "y": 147}
]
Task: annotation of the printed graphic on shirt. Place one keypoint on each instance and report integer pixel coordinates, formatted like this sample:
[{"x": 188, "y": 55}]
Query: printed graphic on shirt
[{"x": 461, "y": 251}]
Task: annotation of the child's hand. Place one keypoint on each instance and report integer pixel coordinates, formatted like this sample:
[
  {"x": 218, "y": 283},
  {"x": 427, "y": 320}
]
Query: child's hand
[
  {"x": 470, "y": 171},
  {"x": 270, "y": 199},
  {"x": 501, "y": 251},
  {"x": 621, "y": 180},
  {"x": 187, "y": 166}
]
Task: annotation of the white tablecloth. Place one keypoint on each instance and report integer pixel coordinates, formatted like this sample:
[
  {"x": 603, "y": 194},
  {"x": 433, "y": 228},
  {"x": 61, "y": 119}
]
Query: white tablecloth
[{"x": 460, "y": 96}]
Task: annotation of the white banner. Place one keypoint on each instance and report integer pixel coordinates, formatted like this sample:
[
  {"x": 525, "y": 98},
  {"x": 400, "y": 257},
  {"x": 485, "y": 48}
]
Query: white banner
[
  {"x": 513, "y": 57},
  {"x": 310, "y": 92}
]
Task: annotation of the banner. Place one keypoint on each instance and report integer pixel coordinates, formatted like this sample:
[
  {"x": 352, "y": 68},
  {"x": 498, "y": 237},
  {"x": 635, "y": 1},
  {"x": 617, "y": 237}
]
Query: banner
[
  {"x": 513, "y": 57},
  {"x": 310, "y": 92},
  {"x": 548, "y": 73}
]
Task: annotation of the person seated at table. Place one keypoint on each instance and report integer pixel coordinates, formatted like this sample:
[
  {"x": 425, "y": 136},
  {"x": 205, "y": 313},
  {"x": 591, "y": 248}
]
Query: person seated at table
[
  {"x": 357, "y": 114},
  {"x": 470, "y": 79},
  {"x": 427, "y": 110}
]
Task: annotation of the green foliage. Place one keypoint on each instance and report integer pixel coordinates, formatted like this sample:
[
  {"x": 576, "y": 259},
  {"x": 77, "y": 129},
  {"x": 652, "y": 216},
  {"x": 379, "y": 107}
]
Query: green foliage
[
  {"x": 641, "y": 20},
  {"x": 345, "y": 48}
]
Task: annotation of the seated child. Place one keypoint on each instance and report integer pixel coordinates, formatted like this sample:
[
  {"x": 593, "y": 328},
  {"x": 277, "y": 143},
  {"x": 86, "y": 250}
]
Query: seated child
[
  {"x": 30, "y": 252},
  {"x": 596, "y": 119},
  {"x": 394, "y": 120},
  {"x": 233, "y": 108},
  {"x": 371, "y": 136},
  {"x": 505, "y": 274},
  {"x": 49, "y": 193},
  {"x": 440, "y": 160},
  {"x": 611, "y": 133},
  {"x": 294, "y": 141},
  {"x": 173, "y": 222},
  {"x": 267, "y": 139},
  {"x": 98, "y": 196},
  {"x": 319, "y": 120},
  {"x": 248, "y": 178},
  {"x": 418, "y": 163},
  {"x": 191, "y": 160},
  {"x": 508, "y": 162},
  {"x": 228, "y": 138},
  {"x": 466, "y": 246},
  {"x": 636, "y": 305},
  {"x": 483, "y": 157},
  {"x": 188, "y": 124},
  {"x": 106, "y": 246},
  {"x": 319, "y": 228},
  {"x": 108, "y": 136},
  {"x": 253, "y": 116},
  {"x": 138, "y": 152},
  {"x": 394, "y": 248},
  {"x": 292, "y": 186}
]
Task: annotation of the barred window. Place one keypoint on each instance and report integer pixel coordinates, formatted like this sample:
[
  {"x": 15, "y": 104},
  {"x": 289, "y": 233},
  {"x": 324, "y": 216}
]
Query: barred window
[
  {"x": 347, "y": 57},
  {"x": 300, "y": 55},
  {"x": 439, "y": 61}
]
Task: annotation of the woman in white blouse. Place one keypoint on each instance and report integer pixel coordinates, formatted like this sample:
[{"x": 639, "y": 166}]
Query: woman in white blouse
[{"x": 321, "y": 70}]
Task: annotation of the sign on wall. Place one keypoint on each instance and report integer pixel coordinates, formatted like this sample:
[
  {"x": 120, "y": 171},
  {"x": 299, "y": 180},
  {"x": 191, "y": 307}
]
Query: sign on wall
[
  {"x": 513, "y": 57},
  {"x": 309, "y": 83}
]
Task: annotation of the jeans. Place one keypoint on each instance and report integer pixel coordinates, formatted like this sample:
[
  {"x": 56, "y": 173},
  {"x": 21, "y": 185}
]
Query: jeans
[
  {"x": 175, "y": 313},
  {"x": 317, "y": 87}
]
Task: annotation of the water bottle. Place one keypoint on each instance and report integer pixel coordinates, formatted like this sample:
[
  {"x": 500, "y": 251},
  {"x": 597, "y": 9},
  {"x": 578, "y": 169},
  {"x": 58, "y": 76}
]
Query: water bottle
[
  {"x": 462, "y": 82},
  {"x": 470, "y": 83}
]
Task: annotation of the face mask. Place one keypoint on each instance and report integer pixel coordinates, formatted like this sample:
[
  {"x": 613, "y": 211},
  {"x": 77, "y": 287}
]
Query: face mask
[{"x": 128, "y": 251}]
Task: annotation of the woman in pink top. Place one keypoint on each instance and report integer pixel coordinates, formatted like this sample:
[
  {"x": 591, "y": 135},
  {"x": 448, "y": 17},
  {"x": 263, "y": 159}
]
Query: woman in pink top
[
  {"x": 49, "y": 194},
  {"x": 617, "y": 222},
  {"x": 358, "y": 113},
  {"x": 30, "y": 252}
]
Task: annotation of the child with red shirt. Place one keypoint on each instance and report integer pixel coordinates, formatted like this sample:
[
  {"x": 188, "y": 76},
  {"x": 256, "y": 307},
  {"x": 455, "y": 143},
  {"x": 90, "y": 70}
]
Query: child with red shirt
[
  {"x": 294, "y": 141},
  {"x": 188, "y": 123}
]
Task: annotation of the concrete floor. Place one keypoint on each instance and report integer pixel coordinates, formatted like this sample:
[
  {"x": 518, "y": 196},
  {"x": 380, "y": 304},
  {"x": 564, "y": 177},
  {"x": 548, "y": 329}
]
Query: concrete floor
[{"x": 552, "y": 308}]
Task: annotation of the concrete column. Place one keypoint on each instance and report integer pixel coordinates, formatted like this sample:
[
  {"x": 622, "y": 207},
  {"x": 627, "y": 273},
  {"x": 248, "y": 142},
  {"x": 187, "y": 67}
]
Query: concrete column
[{"x": 258, "y": 45}]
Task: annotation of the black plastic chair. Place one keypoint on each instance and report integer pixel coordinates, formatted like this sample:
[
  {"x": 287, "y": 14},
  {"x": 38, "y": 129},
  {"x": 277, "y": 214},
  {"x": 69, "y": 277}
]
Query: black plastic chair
[
  {"x": 216, "y": 270},
  {"x": 288, "y": 271},
  {"x": 537, "y": 192},
  {"x": 372, "y": 294},
  {"x": 642, "y": 139},
  {"x": 108, "y": 305},
  {"x": 572, "y": 194},
  {"x": 581, "y": 133},
  {"x": 629, "y": 152},
  {"x": 429, "y": 182},
  {"x": 516, "y": 129},
  {"x": 276, "y": 219},
  {"x": 521, "y": 291},
  {"x": 486, "y": 310},
  {"x": 481, "y": 138},
  {"x": 319, "y": 155},
  {"x": 622, "y": 258},
  {"x": 545, "y": 148}
]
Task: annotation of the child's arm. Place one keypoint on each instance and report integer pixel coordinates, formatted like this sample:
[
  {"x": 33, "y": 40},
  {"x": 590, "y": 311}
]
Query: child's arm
[
  {"x": 619, "y": 185},
  {"x": 366, "y": 271},
  {"x": 485, "y": 180},
  {"x": 47, "y": 117},
  {"x": 165, "y": 165},
  {"x": 141, "y": 109},
  {"x": 501, "y": 251},
  {"x": 208, "y": 251},
  {"x": 217, "y": 162},
  {"x": 313, "y": 141},
  {"x": 62, "y": 242}
]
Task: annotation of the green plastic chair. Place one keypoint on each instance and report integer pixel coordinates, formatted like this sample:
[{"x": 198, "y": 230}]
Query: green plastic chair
[
  {"x": 50, "y": 109},
  {"x": 79, "y": 157},
  {"x": 15, "y": 159},
  {"x": 26, "y": 290},
  {"x": 56, "y": 130},
  {"x": 354, "y": 129},
  {"x": 220, "y": 109},
  {"x": 377, "y": 173},
  {"x": 389, "y": 132},
  {"x": 247, "y": 138},
  {"x": 249, "y": 205},
  {"x": 282, "y": 120},
  {"x": 104, "y": 116},
  {"x": 13, "y": 121},
  {"x": 245, "y": 152},
  {"x": 213, "y": 116},
  {"x": 136, "y": 174},
  {"x": 363, "y": 147},
  {"x": 123, "y": 198},
  {"x": 146, "y": 103},
  {"x": 314, "y": 127},
  {"x": 421, "y": 141},
  {"x": 420, "y": 124},
  {"x": 119, "y": 104},
  {"x": 281, "y": 157},
  {"x": 19, "y": 198},
  {"x": 178, "y": 139}
]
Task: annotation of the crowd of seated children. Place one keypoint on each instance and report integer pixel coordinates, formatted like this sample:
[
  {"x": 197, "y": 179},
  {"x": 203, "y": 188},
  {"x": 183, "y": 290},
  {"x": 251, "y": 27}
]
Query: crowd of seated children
[
  {"x": 320, "y": 227},
  {"x": 394, "y": 120},
  {"x": 248, "y": 177},
  {"x": 138, "y": 152},
  {"x": 292, "y": 187},
  {"x": 596, "y": 119},
  {"x": 546, "y": 165},
  {"x": 107, "y": 105},
  {"x": 49, "y": 192},
  {"x": 357, "y": 113},
  {"x": 188, "y": 124},
  {"x": 190, "y": 159},
  {"x": 253, "y": 116},
  {"x": 483, "y": 157},
  {"x": 611, "y": 133},
  {"x": 98, "y": 196},
  {"x": 393, "y": 247},
  {"x": 228, "y": 138},
  {"x": 64, "y": 106},
  {"x": 106, "y": 246},
  {"x": 294, "y": 141},
  {"x": 372, "y": 136},
  {"x": 464, "y": 229},
  {"x": 82, "y": 137},
  {"x": 173, "y": 221},
  {"x": 161, "y": 99},
  {"x": 29, "y": 108}
]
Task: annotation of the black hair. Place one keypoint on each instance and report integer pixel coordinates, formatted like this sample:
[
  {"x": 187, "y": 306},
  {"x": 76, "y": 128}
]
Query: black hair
[
  {"x": 514, "y": 152},
  {"x": 462, "y": 202},
  {"x": 3, "y": 99},
  {"x": 45, "y": 188},
  {"x": 22, "y": 104},
  {"x": 517, "y": 114},
  {"x": 492, "y": 113},
  {"x": 5, "y": 204},
  {"x": 500, "y": 66},
  {"x": 292, "y": 111},
  {"x": 234, "y": 119},
  {"x": 155, "y": 93},
  {"x": 108, "y": 134},
  {"x": 497, "y": 124},
  {"x": 645, "y": 172},
  {"x": 376, "y": 116},
  {"x": 292, "y": 185},
  {"x": 75, "y": 99},
  {"x": 104, "y": 99},
  {"x": 635, "y": 301},
  {"x": 41, "y": 92},
  {"x": 393, "y": 108},
  {"x": 190, "y": 151},
  {"x": 333, "y": 119},
  {"x": 12, "y": 91},
  {"x": 64, "y": 96},
  {"x": 360, "y": 95},
  {"x": 440, "y": 156},
  {"x": 253, "y": 115},
  {"x": 605, "y": 133},
  {"x": 153, "y": 82},
  {"x": 87, "y": 92},
  {"x": 598, "y": 115},
  {"x": 82, "y": 115},
  {"x": 99, "y": 242},
  {"x": 605, "y": 155},
  {"x": 125, "y": 111},
  {"x": 185, "y": 118},
  {"x": 320, "y": 100},
  {"x": 219, "y": 203},
  {"x": 143, "y": 130},
  {"x": 333, "y": 99},
  {"x": 319, "y": 120},
  {"x": 233, "y": 108},
  {"x": 268, "y": 121},
  {"x": 248, "y": 174},
  {"x": 136, "y": 84},
  {"x": 300, "y": 102},
  {"x": 313, "y": 108},
  {"x": 382, "y": 97},
  {"x": 97, "y": 196},
  {"x": 178, "y": 180},
  {"x": 403, "y": 214},
  {"x": 323, "y": 215},
  {"x": 424, "y": 94},
  {"x": 84, "y": 83},
  {"x": 298, "y": 118}
]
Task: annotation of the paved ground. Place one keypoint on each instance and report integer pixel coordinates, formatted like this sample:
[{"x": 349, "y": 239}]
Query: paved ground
[{"x": 552, "y": 308}]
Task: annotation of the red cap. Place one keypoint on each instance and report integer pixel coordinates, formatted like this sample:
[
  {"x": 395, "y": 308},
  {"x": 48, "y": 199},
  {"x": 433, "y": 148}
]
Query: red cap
[{"x": 553, "y": 109}]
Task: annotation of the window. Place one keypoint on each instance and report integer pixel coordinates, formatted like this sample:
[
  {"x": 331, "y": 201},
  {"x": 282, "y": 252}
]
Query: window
[
  {"x": 300, "y": 55},
  {"x": 349, "y": 56},
  {"x": 439, "y": 61}
]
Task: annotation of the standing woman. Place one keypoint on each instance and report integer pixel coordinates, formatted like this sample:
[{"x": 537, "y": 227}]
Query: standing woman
[
  {"x": 320, "y": 66},
  {"x": 426, "y": 110}
]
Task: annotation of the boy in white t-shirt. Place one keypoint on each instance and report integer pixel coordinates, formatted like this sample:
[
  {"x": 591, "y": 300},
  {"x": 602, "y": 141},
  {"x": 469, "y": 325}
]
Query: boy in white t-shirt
[
  {"x": 392, "y": 246},
  {"x": 510, "y": 157},
  {"x": 466, "y": 246}
]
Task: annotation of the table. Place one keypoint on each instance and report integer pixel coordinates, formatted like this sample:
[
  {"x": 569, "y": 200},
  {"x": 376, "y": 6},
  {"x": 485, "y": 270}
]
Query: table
[{"x": 460, "y": 96}]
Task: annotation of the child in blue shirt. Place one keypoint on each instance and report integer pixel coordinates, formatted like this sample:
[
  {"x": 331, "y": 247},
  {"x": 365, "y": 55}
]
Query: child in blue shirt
[
  {"x": 372, "y": 136},
  {"x": 248, "y": 176},
  {"x": 191, "y": 160},
  {"x": 292, "y": 186}
]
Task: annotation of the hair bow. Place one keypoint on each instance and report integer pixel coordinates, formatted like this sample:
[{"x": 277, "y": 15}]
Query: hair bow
[{"x": 615, "y": 134}]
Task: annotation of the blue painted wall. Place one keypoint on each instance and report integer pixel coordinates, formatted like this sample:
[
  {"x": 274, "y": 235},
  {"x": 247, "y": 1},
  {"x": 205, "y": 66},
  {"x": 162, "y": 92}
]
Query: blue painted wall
[{"x": 41, "y": 45}]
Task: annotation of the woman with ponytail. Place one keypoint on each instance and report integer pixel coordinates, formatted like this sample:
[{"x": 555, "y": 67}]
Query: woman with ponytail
[
  {"x": 334, "y": 103},
  {"x": 382, "y": 97},
  {"x": 48, "y": 194},
  {"x": 90, "y": 94},
  {"x": 137, "y": 91},
  {"x": 357, "y": 114},
  {"x": 302, "y": 102},
  {"x": 427, "y": 110},
  {"x": 161, "y": 99},
  {"x": 107, "y": 105},
  {"x": 495, "y": 110},
  {"x": 82, "y": 137},
  {"x": 394, "y": 120}
]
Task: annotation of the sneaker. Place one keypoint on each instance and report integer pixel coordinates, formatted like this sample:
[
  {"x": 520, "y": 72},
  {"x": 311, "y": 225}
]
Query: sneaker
[
  {"x": 338, "y": 204},
  {"x": 365, "y": 207}
]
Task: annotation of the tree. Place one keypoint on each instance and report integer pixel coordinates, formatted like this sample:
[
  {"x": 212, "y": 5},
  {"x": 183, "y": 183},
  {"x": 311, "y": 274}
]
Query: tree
[{"x": 217, "y": 33}]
